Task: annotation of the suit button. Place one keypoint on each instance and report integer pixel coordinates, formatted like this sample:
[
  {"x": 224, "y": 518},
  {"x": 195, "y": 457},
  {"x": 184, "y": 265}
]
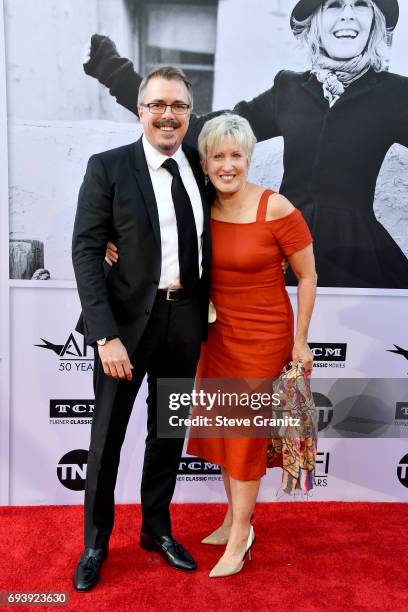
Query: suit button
[
  {"x": 147, "y": 312},
  {"x": 156, "y": 282}
]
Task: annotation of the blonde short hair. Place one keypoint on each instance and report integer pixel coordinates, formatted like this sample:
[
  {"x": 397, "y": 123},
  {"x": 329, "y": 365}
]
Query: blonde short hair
[{"x": 226, "y": 124}]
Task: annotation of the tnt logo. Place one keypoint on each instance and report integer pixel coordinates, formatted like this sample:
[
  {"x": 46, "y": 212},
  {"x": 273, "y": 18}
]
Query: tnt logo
[
  {"x": 71, "y": 470},
  {"x": 402, "y": 471},
  {"x": 324, "y": 409}
]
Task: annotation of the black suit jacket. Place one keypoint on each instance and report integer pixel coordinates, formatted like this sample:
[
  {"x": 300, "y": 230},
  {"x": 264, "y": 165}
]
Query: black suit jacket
[{"x": 117, "y": 202}]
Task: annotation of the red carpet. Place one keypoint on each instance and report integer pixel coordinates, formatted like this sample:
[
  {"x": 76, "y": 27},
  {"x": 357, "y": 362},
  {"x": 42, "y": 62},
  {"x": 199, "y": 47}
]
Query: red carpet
[{"x": 308, "y": 556}]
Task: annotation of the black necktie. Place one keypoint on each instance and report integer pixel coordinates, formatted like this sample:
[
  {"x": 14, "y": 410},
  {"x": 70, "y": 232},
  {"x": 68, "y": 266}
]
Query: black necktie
[{"x": 186, "y": 227}]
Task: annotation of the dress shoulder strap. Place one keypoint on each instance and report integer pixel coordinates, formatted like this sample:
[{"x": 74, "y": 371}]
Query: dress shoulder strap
[{"x": 263, "y": 203}]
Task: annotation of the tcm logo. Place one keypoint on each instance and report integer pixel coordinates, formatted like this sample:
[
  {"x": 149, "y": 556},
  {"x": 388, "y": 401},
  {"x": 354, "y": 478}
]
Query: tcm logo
[
  {"x": 324, "y": 409},
  {"x": 71, "y": 409},
  {"x": 195, "y": 465},
  {"x": 322, "y": 469},
  {"x": 71, "y": 470},
  {"x": 401, "y": 411},
  {"x": 402, "y": 471},
  {"x": 328, "y": 352},
  {"x": 72, "y": 355}
]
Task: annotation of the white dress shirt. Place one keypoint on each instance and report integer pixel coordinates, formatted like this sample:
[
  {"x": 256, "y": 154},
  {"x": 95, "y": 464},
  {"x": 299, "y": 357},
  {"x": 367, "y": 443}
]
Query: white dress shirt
[{"x": 161, "y": 181}]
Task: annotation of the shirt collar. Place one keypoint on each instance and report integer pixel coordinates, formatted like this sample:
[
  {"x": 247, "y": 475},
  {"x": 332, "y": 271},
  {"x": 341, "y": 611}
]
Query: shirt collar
[{"x": 155, "y": 159}]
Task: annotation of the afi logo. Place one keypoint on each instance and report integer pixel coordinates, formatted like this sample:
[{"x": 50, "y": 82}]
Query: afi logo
[
  {"x": 398, "y": 350},
  {"x": 322, "y": 463},
  {"x": 71, "y": 470},
  {"x": 69, "y": 350},
  {"x": 322, "y": 469}
]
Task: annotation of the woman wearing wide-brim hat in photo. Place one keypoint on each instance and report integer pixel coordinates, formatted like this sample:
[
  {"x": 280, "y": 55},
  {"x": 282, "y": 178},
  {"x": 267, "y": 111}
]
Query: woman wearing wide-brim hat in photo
[
  {"x": 338, "y": 121},
  {"x": 306, "y": 8}
]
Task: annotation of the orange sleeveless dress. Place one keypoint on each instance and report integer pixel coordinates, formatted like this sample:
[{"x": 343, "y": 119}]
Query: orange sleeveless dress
[{"x": 252, "y": 336}]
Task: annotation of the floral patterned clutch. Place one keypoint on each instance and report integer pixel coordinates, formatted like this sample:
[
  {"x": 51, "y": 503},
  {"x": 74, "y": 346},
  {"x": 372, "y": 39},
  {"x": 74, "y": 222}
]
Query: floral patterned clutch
[{"x": 293, "y": 441}]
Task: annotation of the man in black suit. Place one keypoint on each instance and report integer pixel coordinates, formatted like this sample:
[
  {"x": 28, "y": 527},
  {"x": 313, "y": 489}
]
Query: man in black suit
[{"x": 146, "y": 314}]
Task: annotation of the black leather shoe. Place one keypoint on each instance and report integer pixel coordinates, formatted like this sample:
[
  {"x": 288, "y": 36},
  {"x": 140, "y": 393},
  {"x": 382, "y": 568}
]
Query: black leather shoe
[
  {"x": 88, "y": 571},
  {"x": 171, "y": 551}
]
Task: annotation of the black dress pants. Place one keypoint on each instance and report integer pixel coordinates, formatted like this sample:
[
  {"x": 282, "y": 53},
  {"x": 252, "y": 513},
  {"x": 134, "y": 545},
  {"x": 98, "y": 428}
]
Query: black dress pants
[{"x": 169, "y": 348}]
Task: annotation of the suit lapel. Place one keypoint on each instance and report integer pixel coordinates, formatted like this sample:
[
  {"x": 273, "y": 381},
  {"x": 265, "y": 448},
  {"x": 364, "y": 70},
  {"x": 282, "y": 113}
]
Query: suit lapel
[
  {"x": 195, "y": 165},
  {"x": 206, "y": 200},
  {"x": 142, "y": 174}
]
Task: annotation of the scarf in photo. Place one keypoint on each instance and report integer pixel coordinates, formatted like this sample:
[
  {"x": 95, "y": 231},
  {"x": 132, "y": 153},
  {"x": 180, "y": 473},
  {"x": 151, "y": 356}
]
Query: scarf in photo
[{"x": 336, "y": 75}]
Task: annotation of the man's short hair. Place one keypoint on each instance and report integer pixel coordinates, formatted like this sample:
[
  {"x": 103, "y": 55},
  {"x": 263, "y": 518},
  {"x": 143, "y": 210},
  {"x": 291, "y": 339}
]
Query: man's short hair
[{"x": 170, "y": 74}]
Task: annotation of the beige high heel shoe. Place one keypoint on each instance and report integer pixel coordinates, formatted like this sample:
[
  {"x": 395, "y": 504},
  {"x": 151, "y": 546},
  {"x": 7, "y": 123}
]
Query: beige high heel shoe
[
  {"x": 222, "y": 568},
  {"x": 215, "y": 538}
]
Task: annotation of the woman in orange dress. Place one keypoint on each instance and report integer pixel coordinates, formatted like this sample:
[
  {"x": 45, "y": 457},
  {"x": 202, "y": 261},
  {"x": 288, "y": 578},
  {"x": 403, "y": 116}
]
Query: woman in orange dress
[
  {"x": 252, "y": 337},
  {"x": 252, "y": 229}
]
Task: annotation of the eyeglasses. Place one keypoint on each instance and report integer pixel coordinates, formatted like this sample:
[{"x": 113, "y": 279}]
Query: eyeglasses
[
  {"x": 158, "y": 108},
  {"x": 341, "y": 4}
]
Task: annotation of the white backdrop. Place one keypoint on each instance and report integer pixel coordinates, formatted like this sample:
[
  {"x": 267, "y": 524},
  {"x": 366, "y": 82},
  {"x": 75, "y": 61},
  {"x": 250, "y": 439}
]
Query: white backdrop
[
  {"x": 48, "y": 362},
  {"x": 46, "y": 161}
]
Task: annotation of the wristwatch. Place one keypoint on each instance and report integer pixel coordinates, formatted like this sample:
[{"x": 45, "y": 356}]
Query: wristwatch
[{"x": 103, "y": 341}]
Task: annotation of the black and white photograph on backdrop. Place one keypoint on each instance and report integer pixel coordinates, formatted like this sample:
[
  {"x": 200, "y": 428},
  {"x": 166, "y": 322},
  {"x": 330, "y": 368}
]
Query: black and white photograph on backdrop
[{"x": 326, "y": 95}]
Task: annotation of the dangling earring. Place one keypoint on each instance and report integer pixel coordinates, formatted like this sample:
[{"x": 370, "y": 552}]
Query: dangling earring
[{"x": 206, "y": 180}]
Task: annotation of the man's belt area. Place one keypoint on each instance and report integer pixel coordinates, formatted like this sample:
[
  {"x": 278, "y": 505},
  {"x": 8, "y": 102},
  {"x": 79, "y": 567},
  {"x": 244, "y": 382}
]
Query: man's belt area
[{"x": 174, "y": 294}]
